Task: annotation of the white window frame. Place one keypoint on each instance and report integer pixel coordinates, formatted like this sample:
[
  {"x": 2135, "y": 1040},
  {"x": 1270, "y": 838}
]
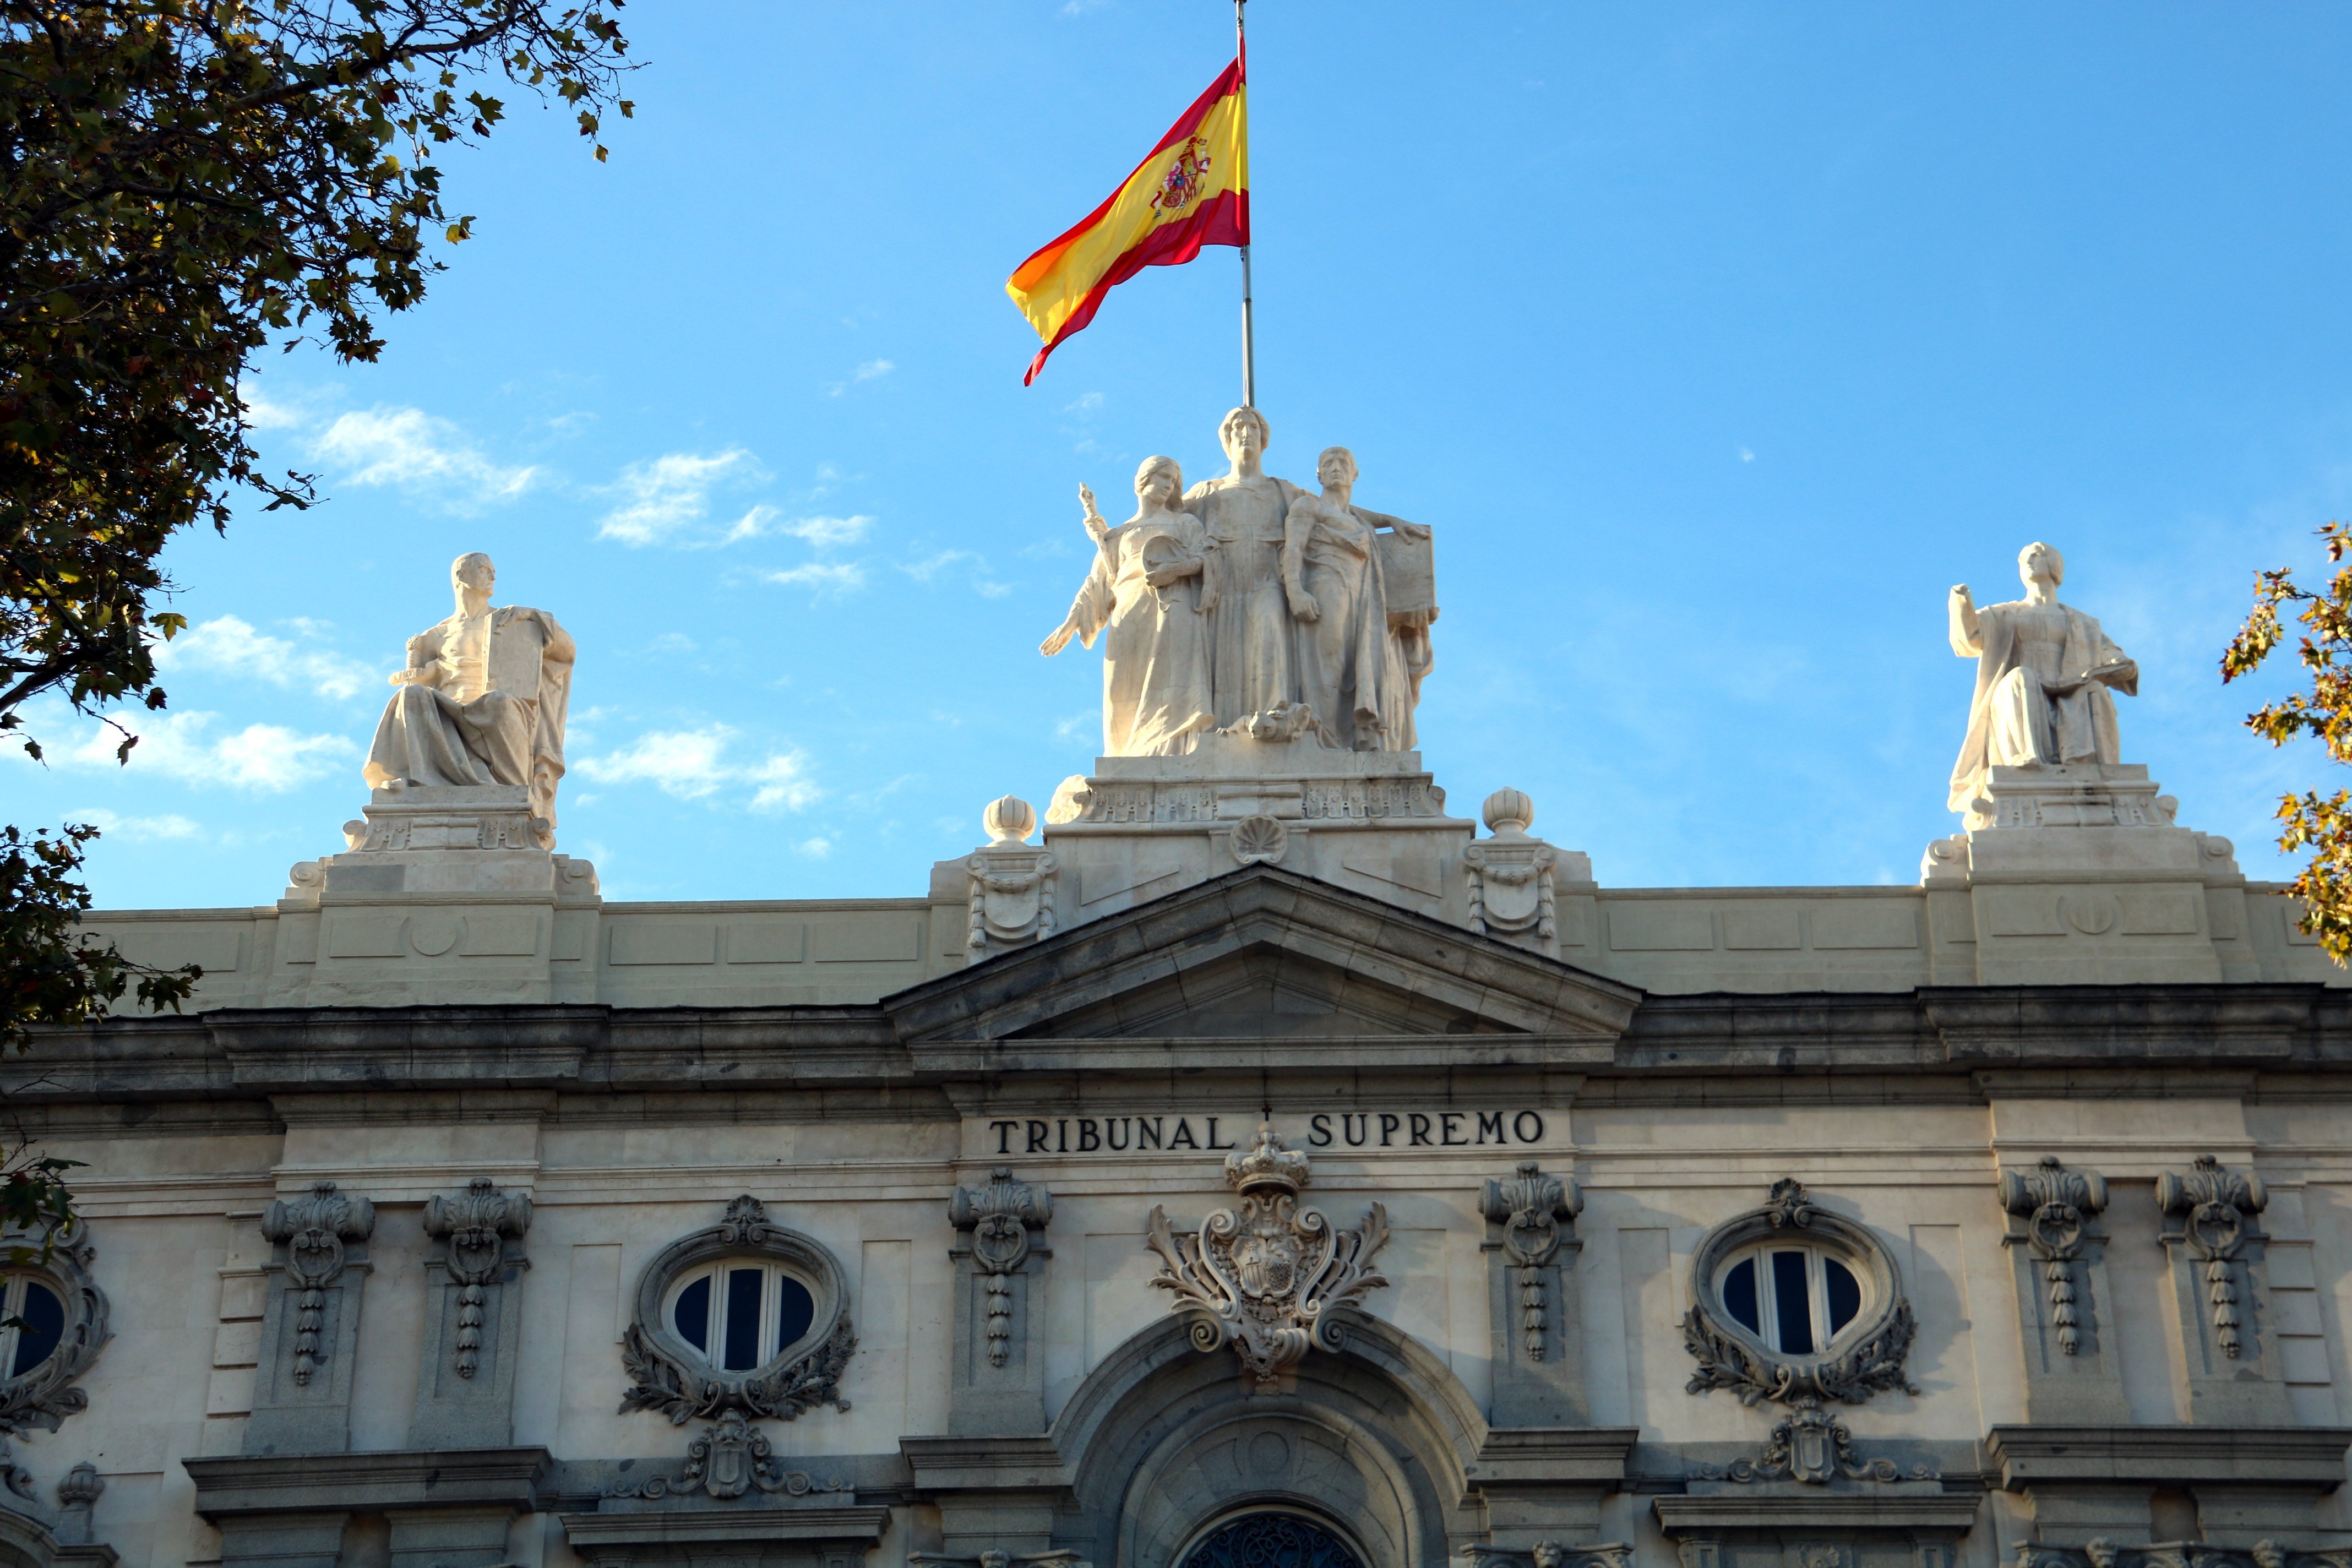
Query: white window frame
[
  {"x": 1817, "y": 1290},
  {"x": 12, "y": 1306},
  {"x": 772, "y": 1300}
]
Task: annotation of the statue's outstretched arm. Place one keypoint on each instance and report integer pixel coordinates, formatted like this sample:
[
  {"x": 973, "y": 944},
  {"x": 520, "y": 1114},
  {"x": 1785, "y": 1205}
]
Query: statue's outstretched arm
[
  {"x": 1968, "y": 631},
  {"x": 1382, "y": 519}
]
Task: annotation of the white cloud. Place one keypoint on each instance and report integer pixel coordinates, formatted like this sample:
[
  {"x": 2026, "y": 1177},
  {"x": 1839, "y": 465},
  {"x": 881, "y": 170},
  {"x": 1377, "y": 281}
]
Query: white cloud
[
  {"x": 411, "y": 449},
  {"x": 814, "y": 849},
  {"x": 695, "y": 764},
  {"x": 264, "y": 412},
  {"x": 1745, "y": 456},
  {"x": 1085, "y": 403},
  {"x": 872, "y": 370},
  {"x": 227, "y": 645},
  {"x": 823, "y": 578},
  {"x": 268, "y": 758},
  {"x": 136, "y": 829},
  {"x": 822, "y": 532},
  {"x": 983, "y": 583},
  {"x": 668, "y": 496}
]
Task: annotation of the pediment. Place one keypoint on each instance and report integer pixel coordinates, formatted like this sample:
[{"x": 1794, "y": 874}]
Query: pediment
[{"x": 1264, "y": 953}]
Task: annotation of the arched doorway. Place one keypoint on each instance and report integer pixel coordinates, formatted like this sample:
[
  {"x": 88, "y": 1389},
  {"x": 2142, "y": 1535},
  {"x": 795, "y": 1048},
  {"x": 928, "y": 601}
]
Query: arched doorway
[{"x": 1270, "y": 1539}]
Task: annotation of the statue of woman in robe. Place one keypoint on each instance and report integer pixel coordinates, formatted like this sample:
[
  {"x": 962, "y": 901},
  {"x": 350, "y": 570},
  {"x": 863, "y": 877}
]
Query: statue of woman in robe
[
  {"x": 1144, "y": 596},
  {"x": 1356, "y": 670},
  {"x": 2044, "y": 671}
]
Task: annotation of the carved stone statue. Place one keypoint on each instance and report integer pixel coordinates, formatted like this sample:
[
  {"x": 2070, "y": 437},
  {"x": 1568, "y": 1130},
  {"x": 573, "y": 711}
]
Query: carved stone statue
[
  {"x": 2045, "y": 673},
  {"x": 1262, "y": 611},
  {"x": 1144, "y": 598},
  {"x": 1246, "y": 512},
  {"x": 482, "y": 701},
  {"x": 1352, "y": 669}
]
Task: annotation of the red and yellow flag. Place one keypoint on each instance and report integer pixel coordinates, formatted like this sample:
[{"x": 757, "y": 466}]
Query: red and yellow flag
[{"x": 1193, "y": 190}]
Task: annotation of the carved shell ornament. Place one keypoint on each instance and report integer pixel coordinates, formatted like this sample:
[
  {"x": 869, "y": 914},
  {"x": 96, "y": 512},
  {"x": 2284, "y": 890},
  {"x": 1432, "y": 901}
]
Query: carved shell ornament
[
  {"x": 1271, "y": 1279},
  {"x": 1260, "y": 840},
  {"x": 1855, "y": 1358}
]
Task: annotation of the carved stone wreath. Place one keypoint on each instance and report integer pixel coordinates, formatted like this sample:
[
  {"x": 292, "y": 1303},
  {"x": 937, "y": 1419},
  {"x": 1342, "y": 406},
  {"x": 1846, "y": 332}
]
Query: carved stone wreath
[
  {"x": 42, "y": 1396},
  {"x": 670, "y": 1375},
  {"x": 1730, "y": 1356}
]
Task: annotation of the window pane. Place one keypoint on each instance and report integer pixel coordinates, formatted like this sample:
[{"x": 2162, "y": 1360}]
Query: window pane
[
  {"x": 1844, "y": 1292},
  {"x": 691, "y": 1316},
  {"x": 743, "y": 1319},
  {"x": 1739, "y": 1296},
  {"x": 45, "y": 1325},
  {"x": 795, "y": 1309},
  {"x": 1793, "y": 1303}
]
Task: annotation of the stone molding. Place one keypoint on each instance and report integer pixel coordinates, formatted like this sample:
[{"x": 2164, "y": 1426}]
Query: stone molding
[
  {"x": 237, "y": 1486},
  {"x": 27, "y": 1540},
  {"x": 670, "y": 1375},
  {"x": 965, "y": 1464},
  {"x": 1886, "y": 1509},
  {"x": 2102, "y": 1552},
  {"x": 2300, "y": 1457},
  {"x": 740, "y": 1535}
]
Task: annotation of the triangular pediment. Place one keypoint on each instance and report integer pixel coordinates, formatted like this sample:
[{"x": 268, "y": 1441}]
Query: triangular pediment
[{"x": 1262, "y": 953}]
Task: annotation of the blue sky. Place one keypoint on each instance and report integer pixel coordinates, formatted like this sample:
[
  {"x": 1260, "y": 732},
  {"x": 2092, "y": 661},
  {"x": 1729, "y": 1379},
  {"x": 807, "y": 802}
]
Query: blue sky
[{"x": 1715, "y": 342}]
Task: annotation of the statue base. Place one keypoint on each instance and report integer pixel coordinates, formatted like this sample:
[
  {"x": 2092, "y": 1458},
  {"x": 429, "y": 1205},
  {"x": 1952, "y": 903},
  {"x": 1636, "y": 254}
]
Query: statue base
[
  {"x": 443, "y": 895},
  {"x": 2078, "y": 871},
  {"x": 1138, "y": 827}
]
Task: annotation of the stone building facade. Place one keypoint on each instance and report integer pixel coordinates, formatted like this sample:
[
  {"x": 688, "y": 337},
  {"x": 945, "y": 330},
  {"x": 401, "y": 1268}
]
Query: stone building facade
[{"x": 1263, "y": 1166}]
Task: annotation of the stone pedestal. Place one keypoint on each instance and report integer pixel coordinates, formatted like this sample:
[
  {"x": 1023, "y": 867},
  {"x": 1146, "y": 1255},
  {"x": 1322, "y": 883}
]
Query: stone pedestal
[
  {"x": 1142, "y": 826},
  {"x": 2077, "y": 873},
  {"x": 444, "y": 895}
]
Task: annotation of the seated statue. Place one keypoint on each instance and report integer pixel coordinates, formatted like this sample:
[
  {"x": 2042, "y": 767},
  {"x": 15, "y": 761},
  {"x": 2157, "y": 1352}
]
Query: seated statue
[
  {"x": 482, "y": 701},
  {"x": 2044, "y": 672}
]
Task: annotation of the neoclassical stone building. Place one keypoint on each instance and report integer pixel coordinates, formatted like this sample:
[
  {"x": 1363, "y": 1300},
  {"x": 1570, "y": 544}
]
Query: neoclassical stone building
[{"x": 1262, "y": 1168}]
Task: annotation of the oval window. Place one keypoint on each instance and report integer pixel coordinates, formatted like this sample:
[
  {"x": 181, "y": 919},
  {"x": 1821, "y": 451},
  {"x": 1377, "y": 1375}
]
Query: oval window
[
  {"x": 740, "y": 1313},
  {"x": 32, "y": 1323},
  {"x": 1796, "y": 1300}
]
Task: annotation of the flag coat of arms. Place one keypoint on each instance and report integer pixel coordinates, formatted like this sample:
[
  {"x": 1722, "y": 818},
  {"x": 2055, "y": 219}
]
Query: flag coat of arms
[{"x": 1192, "y": 191}]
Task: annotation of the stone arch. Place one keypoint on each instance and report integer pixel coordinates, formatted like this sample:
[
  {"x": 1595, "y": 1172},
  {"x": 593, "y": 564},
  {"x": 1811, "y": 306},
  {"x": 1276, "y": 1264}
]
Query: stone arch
[{"x": 1166, "y": 1442}]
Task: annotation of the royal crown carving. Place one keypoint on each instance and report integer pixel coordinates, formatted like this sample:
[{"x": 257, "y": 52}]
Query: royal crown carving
[
  {"x": 1270, "y": 1279},
  {"x": 473, "y": 1229},
  {"x": 999, "y": 1216},
  {"x": 2215, "y": 1208},
  {"x": 1532, "y": 1208},
  {"x": 2056, "y": 1204},
  {"x": 314, "y": 1230}
]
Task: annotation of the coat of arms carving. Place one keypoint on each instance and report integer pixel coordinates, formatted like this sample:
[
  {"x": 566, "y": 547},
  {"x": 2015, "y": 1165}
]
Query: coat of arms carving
[{"x": 1271, "y": 1279}]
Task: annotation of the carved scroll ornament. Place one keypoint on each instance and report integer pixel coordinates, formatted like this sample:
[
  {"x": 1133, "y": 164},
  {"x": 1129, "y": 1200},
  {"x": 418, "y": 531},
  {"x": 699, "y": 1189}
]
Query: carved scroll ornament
[
  {"x": 2056, "y": 1204},
  {"x": 2215, "y": 1206},
  {"x": 473, "y": 1229},
  {"x": 1730, "y": 1356},
  {"x": 1271, "y": 1280},
  {"x": 732, "y": 1458},
  {"x": 670, "y": 1375},
  {"x": 1531, "y": 1208},
  {"x": 1553, "y": 1555},
  {"x": 313, "y": 1230},
  {"x": 1812, "y": 1447},
  {"x": 999, "y": 1217}
]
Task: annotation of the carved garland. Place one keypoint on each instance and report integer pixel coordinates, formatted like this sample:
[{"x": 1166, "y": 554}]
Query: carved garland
[
  {"x": 41, "y": 1396},
  {"x": 1530, "y": 1207},
  {"x": 473, "y": 1229},
  {"x": 999, "y": 1216},
  {"x": 2214, "y": 1205},
  {"x": 313, "y": 1230},
  {"x": 670, "y": 1375},
  {"x": 1730, "y": 1357},
  {"x": 1271, "y": 1280},
  {"x": 2056, "y": 1204}
]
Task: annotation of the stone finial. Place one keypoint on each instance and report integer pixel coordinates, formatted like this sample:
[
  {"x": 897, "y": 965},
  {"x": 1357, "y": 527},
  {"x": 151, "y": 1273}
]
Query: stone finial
[
  {"x": 1508, "y": 813},
  {"x": 1009, "y": 819},
  {"x": 78, "y": 1494}
]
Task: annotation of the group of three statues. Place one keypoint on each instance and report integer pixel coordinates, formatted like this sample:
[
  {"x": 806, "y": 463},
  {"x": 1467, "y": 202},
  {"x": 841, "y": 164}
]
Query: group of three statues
[{"x": 1249, "y": 605}]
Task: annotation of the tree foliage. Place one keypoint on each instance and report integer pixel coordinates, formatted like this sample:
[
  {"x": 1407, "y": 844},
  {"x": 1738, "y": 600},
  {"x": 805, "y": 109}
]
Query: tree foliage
[
  {"x": 181, "y": 183},
  {"x": 2319, "y": 823}
]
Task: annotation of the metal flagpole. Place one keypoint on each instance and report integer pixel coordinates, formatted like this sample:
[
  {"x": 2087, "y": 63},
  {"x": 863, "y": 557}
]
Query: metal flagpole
[{"x": 1249, "y": 334}]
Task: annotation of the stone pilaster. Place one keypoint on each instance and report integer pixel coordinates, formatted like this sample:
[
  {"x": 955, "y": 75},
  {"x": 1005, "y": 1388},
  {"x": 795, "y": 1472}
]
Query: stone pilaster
[
  {"x": 1000, "y": 1323},
  {"x": 311, "y": 1325},
  {"x": 472, "y": 1320},
  {"x": 2073, "y": 1372},
  {"x": 2221, "y": 1300},
  {"x": 1531, "y": 1291}
]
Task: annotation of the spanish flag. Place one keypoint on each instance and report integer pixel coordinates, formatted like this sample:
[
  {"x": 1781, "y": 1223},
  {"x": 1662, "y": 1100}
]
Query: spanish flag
[{"x": 1193, "y": 190}]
